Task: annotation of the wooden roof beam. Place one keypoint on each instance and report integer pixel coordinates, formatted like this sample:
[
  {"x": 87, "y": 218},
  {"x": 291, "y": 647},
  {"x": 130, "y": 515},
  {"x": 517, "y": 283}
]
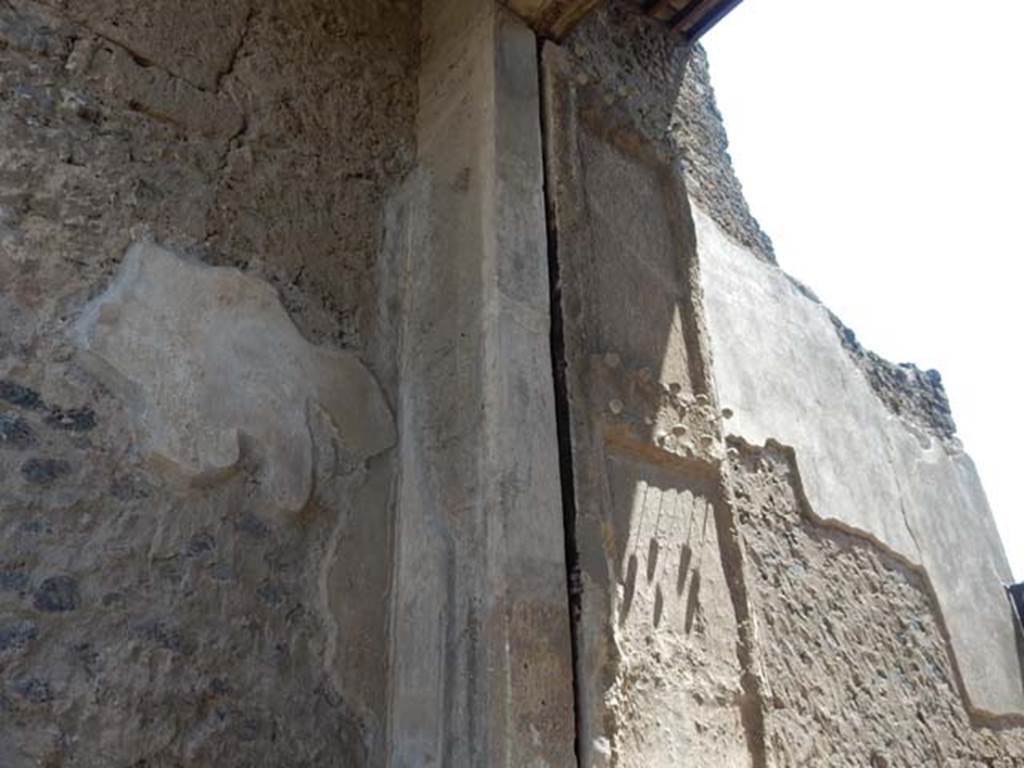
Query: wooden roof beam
[
  {"x": 552, "y": 18},
  {"x": 690, "y": 18}
]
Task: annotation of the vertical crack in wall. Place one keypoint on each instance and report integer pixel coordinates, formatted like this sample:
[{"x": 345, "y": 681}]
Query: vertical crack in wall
[{"x": 559, "y": 364}]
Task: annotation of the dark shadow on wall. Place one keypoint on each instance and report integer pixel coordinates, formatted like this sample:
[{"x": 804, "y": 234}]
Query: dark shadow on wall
[{"x": 1019, "y": 633}]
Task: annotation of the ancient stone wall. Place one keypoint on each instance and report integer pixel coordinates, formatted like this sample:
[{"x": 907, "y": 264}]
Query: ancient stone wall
[
  {"x": 868, "y": 620},
  {"x": 195, "y": 571},
  {"x": 291, "y": 429}
]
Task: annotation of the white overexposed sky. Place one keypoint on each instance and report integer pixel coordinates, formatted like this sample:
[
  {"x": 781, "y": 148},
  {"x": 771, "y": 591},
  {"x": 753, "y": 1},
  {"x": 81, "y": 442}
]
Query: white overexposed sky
[{"x": 881, "y": 146}]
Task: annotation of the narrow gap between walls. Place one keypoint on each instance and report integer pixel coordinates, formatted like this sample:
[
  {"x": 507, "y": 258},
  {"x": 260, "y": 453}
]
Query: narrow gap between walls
[{"x": 559, "y": 363}]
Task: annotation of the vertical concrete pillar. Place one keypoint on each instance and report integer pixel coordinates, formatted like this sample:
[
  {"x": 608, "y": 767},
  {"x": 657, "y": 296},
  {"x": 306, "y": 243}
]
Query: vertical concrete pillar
[{"x": 481, "y": 656}]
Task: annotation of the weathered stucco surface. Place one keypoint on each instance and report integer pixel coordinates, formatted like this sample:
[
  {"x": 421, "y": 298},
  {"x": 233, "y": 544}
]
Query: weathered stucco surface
[
  {"x": 779, "y": 365},
  {"x": 226, "y": 621},
  {"x": 857, "y": 672}
]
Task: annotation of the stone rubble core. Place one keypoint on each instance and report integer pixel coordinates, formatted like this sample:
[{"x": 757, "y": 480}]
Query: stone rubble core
[{"x": 400, "y": 383}]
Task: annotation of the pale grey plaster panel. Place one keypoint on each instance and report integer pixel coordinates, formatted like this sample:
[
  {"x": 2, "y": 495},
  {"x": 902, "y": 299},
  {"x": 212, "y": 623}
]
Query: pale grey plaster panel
[{"x": 779, "y": 365}]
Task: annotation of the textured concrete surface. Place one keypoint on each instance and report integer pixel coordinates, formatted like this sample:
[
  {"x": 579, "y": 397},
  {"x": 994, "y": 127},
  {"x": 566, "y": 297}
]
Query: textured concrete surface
[{"x": 780, "y": 366}]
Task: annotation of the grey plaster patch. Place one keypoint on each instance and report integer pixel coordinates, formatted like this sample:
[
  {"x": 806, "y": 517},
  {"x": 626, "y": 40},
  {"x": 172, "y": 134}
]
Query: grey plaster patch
[{"x": 208, "y": 357}]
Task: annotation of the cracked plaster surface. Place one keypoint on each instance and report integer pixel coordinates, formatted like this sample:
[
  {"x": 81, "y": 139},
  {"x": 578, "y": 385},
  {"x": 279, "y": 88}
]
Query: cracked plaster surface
[{"x": 208, "y": 356}]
